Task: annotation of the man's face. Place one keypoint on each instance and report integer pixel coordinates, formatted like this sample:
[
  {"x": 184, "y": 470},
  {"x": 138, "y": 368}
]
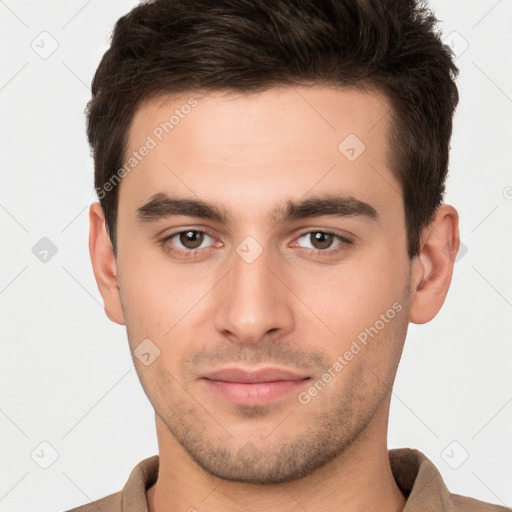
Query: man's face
[{"x": 262, "y": 289}]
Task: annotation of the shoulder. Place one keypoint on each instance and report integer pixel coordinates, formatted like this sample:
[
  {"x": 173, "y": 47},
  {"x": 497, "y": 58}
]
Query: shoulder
[
  {"x": 466, "y": 504},
  {"x": 133, "y": 494},
  {"x": 110, "y": 503},
  {"x": 420, "y": 480}
]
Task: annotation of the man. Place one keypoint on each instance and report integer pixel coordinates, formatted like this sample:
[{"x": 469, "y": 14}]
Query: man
[{"x": 271, "y": 177}]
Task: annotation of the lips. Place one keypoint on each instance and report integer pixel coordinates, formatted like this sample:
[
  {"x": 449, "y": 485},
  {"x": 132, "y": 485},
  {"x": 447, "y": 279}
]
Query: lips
[
  {"x": 255, "y": 376},
  {"x": 257, "y": 387}
]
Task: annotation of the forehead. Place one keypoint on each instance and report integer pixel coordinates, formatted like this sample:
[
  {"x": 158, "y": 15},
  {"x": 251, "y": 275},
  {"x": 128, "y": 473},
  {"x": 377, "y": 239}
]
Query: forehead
[
  {"x": 280, "y": 142},
  {"x": 315, "y": 113}
]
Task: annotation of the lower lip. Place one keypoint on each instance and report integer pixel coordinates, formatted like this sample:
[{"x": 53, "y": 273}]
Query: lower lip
[{"x": 259, "y": 393}]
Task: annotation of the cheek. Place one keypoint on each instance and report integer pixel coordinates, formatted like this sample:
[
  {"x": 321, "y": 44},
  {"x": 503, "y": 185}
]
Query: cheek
[
  {"x": 352, "y": 295},
  {"x": 159, "y": 292},
  {"x": 166, "y": 304}
]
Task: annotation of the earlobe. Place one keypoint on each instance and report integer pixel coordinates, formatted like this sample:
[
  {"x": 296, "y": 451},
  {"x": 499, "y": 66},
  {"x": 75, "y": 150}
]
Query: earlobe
[
  {"x": 433, "y": 266},
  {"x": 104, "y": 263}
]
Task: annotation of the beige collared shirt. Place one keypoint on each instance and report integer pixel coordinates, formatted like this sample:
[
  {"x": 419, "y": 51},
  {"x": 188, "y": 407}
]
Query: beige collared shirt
[{"x": 414, "y": 473}]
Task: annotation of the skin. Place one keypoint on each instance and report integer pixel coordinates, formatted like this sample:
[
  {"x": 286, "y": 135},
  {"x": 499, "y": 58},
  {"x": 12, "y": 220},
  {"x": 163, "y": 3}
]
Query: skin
[{"x": 291, "y": 307}]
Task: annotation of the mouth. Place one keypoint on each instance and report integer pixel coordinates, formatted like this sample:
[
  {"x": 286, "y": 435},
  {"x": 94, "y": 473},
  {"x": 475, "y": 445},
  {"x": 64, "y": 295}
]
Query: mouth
[{"x": 258, "y": 387}]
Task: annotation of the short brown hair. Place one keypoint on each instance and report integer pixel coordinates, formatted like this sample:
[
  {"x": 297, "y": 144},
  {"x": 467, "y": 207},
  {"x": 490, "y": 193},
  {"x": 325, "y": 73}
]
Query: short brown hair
[{"x": 175, "y": 46}]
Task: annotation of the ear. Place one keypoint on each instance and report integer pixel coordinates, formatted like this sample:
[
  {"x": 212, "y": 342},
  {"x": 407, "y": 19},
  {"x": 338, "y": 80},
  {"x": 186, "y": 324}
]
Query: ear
[
  {"x": 104, "y": 263},
  {"x": 432, "y": 268}
]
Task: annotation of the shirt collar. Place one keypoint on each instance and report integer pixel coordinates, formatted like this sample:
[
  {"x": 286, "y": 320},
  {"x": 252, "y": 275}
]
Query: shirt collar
[
  {"x": 414, "y": 473},
  {"x": 420, "y": 481}
]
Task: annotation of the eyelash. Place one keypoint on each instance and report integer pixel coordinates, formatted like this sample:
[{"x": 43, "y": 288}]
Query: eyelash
[{"x": 190, "y": 253}]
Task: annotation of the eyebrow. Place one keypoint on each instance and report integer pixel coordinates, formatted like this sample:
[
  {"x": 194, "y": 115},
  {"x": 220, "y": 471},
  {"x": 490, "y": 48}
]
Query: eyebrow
[{"x": 161, "y": 206}]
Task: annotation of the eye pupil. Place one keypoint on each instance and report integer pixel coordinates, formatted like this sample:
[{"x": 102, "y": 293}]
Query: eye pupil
[
  {"x": 323, "y": 239},
  {"x": 191, "y": 239}
]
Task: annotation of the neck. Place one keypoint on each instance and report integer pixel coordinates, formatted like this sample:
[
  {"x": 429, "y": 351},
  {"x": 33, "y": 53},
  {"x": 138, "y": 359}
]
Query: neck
[{"x": 358, "y": 479}]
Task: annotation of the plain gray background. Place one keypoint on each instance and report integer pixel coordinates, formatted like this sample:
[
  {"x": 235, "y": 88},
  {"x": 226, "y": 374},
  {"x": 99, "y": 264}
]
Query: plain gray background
[{"x": 67, "y": 378}]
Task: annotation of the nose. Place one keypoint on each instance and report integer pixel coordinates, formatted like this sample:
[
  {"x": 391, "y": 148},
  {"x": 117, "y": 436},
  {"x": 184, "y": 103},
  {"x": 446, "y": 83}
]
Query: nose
[{"x": 254, "y": 300}]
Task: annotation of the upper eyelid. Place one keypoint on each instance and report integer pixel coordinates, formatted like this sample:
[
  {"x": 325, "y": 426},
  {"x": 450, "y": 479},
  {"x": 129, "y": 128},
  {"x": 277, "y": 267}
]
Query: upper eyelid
[{"x": 326, "y": 231}]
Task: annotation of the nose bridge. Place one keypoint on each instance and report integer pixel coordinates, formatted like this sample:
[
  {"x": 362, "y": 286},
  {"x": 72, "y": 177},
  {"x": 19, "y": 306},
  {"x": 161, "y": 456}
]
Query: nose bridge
[{"x": 253, "y": 301}]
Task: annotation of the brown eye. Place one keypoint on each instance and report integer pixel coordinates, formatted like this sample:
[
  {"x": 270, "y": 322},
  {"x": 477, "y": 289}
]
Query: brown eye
[
  {"x": 191, "y": 239},
  {"x": 324, "y": 242},
  {"x": 189, "y": 243},
  {"x": 321, "y": 240}
]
